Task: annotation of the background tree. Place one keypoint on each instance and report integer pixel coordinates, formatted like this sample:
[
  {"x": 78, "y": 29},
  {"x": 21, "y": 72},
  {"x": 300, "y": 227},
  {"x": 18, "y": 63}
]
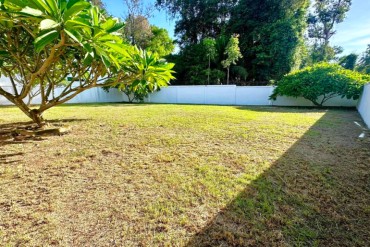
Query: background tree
[
  {"x": 43, "y": 44},
  {"x": 233, "y": 55},
  {"x": 160, "y": 42},
  {"x": 320, "y": 83},
  {"x": 322, "y": 21},
  {"x": 271, "y": 32},
  {"x": 98, "y": 3},
  {"x": 197, "y": 20},
  {"x": 364, "y": 63},
  {"x": 210, "y": 48},
  {"x": 349, "y": 61},
  {"x": 138, "y": 30},
  {"x": 271, "y": 36}
]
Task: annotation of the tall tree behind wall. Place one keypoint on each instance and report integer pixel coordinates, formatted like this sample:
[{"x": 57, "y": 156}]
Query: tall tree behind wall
[
  {"x": 139, "y": 32},
  {"x": 137, "y": 29},
  {"x": 322, "y": 21},
  {"x": 364, "y": 63},
  {"x": 271, "y": 31},
  {"x": 271, "y": 35},
  {"x": 198, "y": 19}
]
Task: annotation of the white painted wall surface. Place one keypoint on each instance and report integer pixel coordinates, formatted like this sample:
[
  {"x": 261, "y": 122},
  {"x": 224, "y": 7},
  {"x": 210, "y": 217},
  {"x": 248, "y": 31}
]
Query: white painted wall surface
[
  {"x": 209, "y": 95},
  {"x": 364, "y": 105}
]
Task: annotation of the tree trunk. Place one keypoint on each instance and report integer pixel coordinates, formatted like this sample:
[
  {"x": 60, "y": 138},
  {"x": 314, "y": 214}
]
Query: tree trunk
[
  {"x": 37, "y": 118},
  {"x": 209, "y": 67},
  {"x": 228, "y": 75},
  {"x": 35, "y": 115},
  {"x": 316, "y": 103}
]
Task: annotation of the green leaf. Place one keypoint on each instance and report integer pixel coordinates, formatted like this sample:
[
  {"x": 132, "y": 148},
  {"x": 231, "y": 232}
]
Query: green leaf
[
  {"x": 41, "y": 5},
  {"x": 106, "y": 61},
  {"x": 75, "y": 7},
  {"x": 78, "y": 22},
  {"x": 120, "y": 48},
  {"x": 31, "y": 12},
  {"x": 75, "y": 35},
  {"x": 48, "y": 24},
  {"x": 52, "y": 5},
  {"x": 4, "y": 53},
  {"x": 95, "y": 15},
  {"x": 89, "y": 58},
  {"x": 45, "y": 39}
]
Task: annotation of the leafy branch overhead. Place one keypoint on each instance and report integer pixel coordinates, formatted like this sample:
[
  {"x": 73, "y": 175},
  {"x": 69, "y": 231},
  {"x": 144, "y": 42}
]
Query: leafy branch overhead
[{"x": 43, "y": 42}]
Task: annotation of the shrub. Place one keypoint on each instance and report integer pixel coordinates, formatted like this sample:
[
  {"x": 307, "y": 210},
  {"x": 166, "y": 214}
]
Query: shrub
[{"x": 321, "y": 82}]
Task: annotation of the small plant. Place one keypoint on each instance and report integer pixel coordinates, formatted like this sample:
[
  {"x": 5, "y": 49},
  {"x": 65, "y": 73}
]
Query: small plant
[
  {"x": 145, "y": 74},
  {"x": 320, "y": 83}
]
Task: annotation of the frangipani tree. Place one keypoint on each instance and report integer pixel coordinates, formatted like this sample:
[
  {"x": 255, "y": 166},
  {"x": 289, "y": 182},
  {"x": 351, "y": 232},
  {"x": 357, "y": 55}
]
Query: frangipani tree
[
  {"x": 149, "y": 74},
  {"x": 42, "y": 42}
]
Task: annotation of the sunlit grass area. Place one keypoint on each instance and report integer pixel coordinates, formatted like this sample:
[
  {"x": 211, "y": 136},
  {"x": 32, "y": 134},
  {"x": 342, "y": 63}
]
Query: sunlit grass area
[{"x": 170, "y": 175}]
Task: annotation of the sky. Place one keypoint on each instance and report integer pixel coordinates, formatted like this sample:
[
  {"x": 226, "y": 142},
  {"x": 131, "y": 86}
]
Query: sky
[{"x": 353, "y": 34}]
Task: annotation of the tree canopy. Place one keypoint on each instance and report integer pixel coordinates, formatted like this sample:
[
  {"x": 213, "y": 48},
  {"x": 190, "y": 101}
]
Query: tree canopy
[
  {"x": 321, "y": 82},
  {"x": 271, "y": 32},
  {"x": 322, "y": 21},
  {"x": 364, "y": 62}
]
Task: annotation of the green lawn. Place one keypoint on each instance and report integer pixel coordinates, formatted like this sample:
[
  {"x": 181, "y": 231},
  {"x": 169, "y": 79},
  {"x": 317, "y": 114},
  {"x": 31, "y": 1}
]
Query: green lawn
[{"x": 171, "y": 175}]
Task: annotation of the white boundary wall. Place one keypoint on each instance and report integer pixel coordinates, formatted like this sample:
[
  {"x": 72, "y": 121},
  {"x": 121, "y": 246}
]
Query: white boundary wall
[
  {"x": 364, "y": 105},
  {"x": 233, "y": 95},
  {"x": 207, "y": 95}
]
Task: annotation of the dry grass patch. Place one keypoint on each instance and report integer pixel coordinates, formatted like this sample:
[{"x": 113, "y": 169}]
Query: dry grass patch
[{"x": 167, "y": 175}]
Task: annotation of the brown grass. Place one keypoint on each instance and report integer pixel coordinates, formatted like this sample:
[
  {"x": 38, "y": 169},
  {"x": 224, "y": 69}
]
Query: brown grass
[{"x": 166, "y": 175}]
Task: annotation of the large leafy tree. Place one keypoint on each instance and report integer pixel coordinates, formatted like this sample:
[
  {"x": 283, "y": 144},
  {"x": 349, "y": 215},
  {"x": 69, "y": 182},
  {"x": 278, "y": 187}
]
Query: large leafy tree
[
  {"x": 325, "y": 15},
  {"x": 198, "y": 19},
  {"x": 43, "y": 42},
  {"x": 160, "y": 42},
  {"x": 320, "y": 83},
  {"x": 271, "y": 35},
  {"x": 138, "y": 30}
]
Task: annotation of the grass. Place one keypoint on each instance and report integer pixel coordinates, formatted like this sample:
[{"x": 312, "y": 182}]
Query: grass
[{"x": 170, "y": 175}]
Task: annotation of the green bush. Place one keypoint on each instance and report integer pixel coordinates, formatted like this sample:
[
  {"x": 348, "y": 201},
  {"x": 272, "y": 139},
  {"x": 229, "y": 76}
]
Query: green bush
[{"x": 321, "y": 82}]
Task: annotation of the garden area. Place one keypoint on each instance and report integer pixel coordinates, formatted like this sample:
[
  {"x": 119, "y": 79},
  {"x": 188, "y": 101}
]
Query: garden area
[
  {"x": 128, "y": 173},
  {"x": 186, "y": 175}
]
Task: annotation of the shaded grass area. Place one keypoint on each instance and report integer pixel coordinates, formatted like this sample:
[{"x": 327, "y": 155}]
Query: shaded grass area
[{"x": 167, "y": 175}]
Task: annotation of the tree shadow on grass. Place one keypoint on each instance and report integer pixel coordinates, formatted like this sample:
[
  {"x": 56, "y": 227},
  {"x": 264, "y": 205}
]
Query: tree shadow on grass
[
  {"x": 9, "y": 158},
  {"x": 315, "y": 194},
  {"x": 7, "y": 136},
  {"x": 292, "y": 109}
]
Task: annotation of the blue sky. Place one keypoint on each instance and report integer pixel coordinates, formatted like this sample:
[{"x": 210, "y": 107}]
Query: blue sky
[{"x": 353, "y": 34}]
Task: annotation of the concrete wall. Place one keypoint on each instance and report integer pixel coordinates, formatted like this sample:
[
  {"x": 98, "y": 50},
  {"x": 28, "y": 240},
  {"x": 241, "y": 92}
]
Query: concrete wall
[
  {"x": 364, "y": 105},
  {"x": 208, "y": 95}
]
